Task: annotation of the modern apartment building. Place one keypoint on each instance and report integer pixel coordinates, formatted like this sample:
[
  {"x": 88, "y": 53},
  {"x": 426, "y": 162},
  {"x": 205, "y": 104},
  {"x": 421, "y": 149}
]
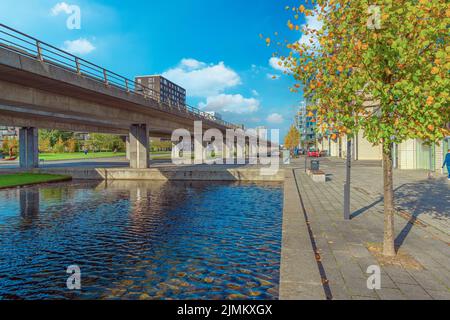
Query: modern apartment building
[
  {"x": 409, "y": 155},
  {"x": 162, "y": 89},
  {"x": 306, "y": 125},
  {"x": 214, "y": 115}
]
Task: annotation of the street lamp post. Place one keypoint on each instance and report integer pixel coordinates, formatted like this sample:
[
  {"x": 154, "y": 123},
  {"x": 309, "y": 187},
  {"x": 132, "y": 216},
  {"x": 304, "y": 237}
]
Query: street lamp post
[{"x": 347, "y": 214}]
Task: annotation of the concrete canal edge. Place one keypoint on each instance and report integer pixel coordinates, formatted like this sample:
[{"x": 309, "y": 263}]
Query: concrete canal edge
[
  {"x": 300, "y": 276},
  {"x": 249, "y": 174}
]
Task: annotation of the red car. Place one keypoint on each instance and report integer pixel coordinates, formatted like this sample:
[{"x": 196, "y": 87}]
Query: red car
[{"x": 313, "y": 154}]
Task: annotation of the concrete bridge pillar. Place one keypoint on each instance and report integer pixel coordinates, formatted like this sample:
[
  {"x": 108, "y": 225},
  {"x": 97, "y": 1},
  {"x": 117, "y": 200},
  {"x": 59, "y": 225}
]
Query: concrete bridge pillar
[
  {"x": 28, "y": 148},
  {"x": 127, "y": 146},
  {"x": 247, "y": 149},
  {"x": 227, "y": 152},
  {"x": 139, "y": 146}
]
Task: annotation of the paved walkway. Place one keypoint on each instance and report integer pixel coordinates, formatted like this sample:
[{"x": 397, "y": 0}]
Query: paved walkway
[
  {"x": 340, "y": 247},
  {"x": 422, "y": 197}
]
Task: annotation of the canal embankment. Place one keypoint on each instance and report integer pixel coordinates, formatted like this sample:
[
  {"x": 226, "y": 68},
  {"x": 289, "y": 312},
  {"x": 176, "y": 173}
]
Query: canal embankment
[
  {"x": 190, "y": 173},
  {"x": 300, "y": 271}
]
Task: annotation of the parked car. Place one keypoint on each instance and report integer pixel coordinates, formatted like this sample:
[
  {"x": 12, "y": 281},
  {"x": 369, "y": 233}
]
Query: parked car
[{"x": 313, "y": 153}]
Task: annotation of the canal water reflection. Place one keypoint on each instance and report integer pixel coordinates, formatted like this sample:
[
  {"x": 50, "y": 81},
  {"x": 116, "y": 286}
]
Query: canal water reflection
[{"x": 141, "y": 240}]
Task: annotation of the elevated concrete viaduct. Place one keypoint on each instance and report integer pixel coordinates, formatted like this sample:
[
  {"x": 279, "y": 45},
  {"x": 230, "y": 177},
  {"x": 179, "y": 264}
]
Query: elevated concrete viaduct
[{"x": 38, "y": 90}]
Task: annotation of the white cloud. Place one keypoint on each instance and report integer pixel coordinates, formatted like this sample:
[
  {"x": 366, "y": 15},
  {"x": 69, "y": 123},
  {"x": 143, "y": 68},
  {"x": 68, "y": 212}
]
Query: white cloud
[
  {"x": 275, "y": 118},
  {"x": 201, "y": 79},
  {"x": 255, "y": 93},
  {"x": 275, "y": 64},
  {"x": 233, "y": 103},
  {"x": 61, "y": 7},
  {"x": 78, "y": 47},
  {"x": 313, "y": 23},
  {"x": 192, "y": 63}
]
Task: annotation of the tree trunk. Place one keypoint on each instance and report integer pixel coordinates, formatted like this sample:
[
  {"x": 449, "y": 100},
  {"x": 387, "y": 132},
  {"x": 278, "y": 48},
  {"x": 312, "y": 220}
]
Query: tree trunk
[{"x": 389, "y": 237}]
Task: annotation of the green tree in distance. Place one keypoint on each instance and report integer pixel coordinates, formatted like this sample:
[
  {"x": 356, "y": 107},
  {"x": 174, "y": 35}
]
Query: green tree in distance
[
  {"x": 54, "y": 136},
  {"x": 5, "y": 146},
  {"x": 106, "y": 142},
  {"x": 377, "y": 66},
  {"x": 59, "y": 146}
]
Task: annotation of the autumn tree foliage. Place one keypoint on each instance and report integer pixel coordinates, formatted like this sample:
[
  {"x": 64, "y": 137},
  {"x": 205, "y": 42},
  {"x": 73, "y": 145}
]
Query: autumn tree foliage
[
  {"x": 44, "y": 144},
  {"x": 381, "y": 67},
  {"x": 5, "y": 146},
  {"x": 72, "y": 145},
  {"x": 292, "y": 139}
]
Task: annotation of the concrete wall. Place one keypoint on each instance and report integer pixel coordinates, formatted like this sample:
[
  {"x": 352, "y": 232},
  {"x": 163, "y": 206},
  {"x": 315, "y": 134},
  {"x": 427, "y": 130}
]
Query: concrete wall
[
  {"x": 407, "y": 155},
  {"x": 366, "y": 151},
  {"x": 334, "y": 151},
  {"x": 169, "y": 174}
]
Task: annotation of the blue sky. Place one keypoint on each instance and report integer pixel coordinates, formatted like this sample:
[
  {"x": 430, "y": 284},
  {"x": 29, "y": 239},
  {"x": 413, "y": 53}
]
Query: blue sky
[{"x": 211, "y": 47}]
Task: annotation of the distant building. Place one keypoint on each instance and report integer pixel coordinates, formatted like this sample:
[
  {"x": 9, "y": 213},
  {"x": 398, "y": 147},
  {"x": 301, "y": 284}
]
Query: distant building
[
  {"x": 8, "y": 133},
  {"x": 411, "y": 154},
  {"x": 306, "y": 125},
  {"x": 215, "y": 115},
  {"x": 261, "y": 131},
  {"x": 162, "y": 90}
]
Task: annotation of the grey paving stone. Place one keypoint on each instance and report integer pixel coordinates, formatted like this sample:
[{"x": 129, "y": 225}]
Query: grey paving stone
[
  {"x": 358, "y": 287},
  {"x": 364, "y": 298},
  {"x": 399, "y": 275},
  {"x": 427, "y": 280},
  {"x": 301, "y": 291},
  {"x": 299, "y": 266},
  {"x": 390, "y": 294},
  {"x": 439, "y": 295},
  {"x": 359, "y": 250},
  {"x": 339, "y": 292},
  {"x": 414, "y": 292}
]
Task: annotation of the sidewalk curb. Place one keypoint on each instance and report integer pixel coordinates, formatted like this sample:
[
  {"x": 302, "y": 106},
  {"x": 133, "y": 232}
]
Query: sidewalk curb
[{"x": 300, "y": 278}]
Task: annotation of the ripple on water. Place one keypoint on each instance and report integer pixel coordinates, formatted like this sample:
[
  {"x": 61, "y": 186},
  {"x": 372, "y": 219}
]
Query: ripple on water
[{"x": 141, "y": 241}]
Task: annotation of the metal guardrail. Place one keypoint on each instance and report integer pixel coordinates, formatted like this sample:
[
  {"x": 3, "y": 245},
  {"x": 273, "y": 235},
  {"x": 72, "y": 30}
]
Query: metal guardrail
[{"x": 26, "y": 45}]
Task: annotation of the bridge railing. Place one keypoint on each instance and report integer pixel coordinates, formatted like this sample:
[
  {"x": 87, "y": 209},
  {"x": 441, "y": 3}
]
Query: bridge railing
[{"x": 26, "y": 45}]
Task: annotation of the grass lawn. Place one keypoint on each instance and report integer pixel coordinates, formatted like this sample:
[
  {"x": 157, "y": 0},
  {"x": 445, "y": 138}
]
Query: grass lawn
[
  {"x": 157, "y": 155},
  {"x": 23, "y": 179},
  {"x": 78, "y": 155},
  {"x": 161, "y": 156}
]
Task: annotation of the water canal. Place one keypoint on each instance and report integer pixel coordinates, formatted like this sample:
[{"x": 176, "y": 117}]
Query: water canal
[{"x": 141, "y": 240}]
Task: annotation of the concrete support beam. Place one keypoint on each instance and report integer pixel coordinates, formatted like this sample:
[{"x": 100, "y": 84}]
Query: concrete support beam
[
  {"x": 28, "y": 148},
  {"x": 139, "y": 146}
]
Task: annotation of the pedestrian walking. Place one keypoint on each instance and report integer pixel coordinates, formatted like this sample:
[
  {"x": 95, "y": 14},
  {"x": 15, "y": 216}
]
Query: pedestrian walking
[{"x": 447, "y": 163}]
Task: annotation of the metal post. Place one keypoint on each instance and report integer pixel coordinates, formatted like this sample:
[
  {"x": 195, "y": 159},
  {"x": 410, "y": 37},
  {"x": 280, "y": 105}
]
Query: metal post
[
  {"x": 39, "y": 51},
  {"x": 306, "y": 158},
  {"x": 347, "y": 181},
  {"x": 77, "y": 63},
  {"x": 105, "y": 76},
  {"x": 126, "y": 85}
]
